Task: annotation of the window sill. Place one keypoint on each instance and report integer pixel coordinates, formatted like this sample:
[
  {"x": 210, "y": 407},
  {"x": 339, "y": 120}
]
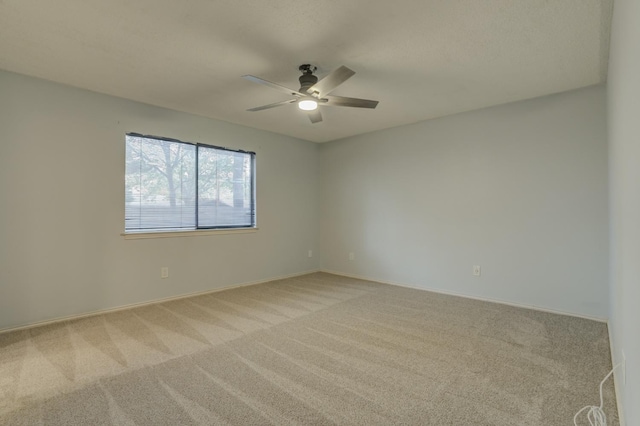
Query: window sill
[{"x": 182, "y": 233}]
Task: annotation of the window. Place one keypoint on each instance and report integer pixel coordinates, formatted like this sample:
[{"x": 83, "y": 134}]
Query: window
[{"x": 172, "y": 185}]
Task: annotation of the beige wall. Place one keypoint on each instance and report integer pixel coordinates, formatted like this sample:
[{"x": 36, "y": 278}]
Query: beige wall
[
  {"x": 623, "y": 107},
  {"x": 519, "y": 189},
  {"x": 62, "y": 206}
]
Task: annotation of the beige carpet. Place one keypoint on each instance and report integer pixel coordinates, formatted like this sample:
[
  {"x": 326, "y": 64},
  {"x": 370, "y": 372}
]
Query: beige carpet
[{"x": 316, "y": 349}]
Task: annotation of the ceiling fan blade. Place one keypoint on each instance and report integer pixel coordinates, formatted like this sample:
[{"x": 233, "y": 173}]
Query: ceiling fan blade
[
  {"x": 315, "y": 116},
  {"x": 278, "y": 87},
  {"x": 330, "y": 82},
  {"x": 273, "y": 105},
  {"x": 350, "y": 102}
]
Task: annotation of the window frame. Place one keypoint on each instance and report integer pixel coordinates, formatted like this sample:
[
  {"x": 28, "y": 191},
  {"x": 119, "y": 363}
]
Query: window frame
[{"x": 198, "y": 230}]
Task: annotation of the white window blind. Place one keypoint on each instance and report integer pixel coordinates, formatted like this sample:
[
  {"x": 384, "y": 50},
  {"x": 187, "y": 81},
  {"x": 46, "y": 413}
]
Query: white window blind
[{"x": 173, "y": 185}]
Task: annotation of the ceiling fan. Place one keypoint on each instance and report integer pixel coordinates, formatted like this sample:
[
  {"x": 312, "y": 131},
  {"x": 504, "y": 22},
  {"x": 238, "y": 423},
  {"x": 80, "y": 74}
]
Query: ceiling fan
[{"x": 313, "y": 92}]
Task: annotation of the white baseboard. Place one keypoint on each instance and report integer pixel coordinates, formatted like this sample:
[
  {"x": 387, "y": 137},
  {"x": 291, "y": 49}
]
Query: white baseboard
[
  {"x": 149, "y": 302},
  {"x": 616, "y": 383},
  {"x": 361, "y": 277},
  {"x": 466, "y": 296}
]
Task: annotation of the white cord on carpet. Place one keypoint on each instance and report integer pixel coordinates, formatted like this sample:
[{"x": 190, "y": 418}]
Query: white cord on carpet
[{"x": 596, "y": 415}]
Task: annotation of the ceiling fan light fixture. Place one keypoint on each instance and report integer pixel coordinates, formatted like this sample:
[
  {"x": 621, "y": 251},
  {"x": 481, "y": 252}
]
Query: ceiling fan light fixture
[{"x": 307, "y": 105}]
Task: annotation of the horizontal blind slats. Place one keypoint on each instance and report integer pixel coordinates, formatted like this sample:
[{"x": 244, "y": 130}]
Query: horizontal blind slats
[{"x": 165, "y": 190}]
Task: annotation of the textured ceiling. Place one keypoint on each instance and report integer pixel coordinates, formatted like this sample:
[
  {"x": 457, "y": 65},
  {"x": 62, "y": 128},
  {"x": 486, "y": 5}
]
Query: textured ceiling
[{"x": 421, "y": 59}]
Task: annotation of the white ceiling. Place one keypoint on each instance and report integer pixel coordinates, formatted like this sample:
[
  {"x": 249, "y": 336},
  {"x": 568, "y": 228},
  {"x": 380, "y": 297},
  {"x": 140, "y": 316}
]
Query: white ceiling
[{"x": 421, "y": 59}]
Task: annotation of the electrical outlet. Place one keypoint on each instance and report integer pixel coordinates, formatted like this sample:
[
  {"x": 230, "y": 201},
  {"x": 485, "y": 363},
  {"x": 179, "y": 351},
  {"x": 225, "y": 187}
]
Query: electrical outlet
[
  {"x": 476, "y": 270},
  {"x": 164, "y": 272},
  {"x": 352, "y": 256},
  {"x": 310, "y": 253}
]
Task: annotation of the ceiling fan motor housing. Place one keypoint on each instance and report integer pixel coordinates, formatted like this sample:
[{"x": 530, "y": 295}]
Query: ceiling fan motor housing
[{"x": 307, "y": 79}]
